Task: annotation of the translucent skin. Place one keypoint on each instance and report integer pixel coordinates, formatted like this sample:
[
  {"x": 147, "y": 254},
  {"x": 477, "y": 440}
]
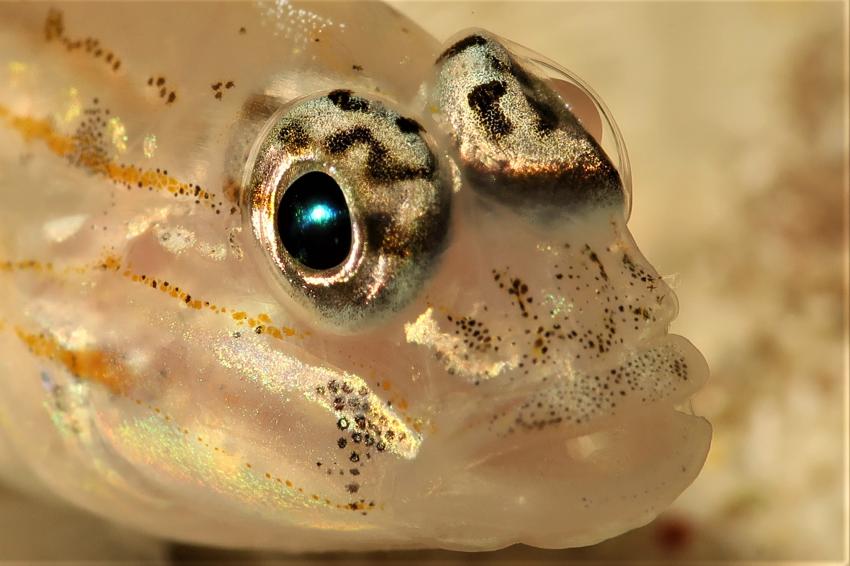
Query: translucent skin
[{"x": 154, "y": 370}]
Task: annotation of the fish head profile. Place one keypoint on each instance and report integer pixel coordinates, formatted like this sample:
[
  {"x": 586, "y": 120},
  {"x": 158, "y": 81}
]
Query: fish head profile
[{"x": 307, "y": 288}]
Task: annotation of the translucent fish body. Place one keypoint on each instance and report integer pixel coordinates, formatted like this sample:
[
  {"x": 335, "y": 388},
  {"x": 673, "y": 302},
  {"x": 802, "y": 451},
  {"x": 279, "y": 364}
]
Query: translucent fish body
[{"x": 489, "y": 364}]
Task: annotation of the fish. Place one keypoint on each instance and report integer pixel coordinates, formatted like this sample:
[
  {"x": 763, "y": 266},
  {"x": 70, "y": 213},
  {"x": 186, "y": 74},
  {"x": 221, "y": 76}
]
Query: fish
[{"x": 301, "y": 277}]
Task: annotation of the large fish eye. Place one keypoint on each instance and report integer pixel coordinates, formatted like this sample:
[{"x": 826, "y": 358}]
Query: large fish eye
[{"x": 349, "y": 203}]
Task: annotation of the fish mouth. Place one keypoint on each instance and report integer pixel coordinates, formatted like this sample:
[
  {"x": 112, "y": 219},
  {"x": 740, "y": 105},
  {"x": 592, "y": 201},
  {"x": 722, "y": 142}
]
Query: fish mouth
[
  {"x": 567, "y": 483},
  {"x": 662, "y": 372},
  {"x": 599, "y": 483}
]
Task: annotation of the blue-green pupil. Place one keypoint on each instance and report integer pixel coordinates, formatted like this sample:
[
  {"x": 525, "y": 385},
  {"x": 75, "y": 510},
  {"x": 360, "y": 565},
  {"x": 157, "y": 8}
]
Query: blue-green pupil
[{"x": 313, "y": 221}]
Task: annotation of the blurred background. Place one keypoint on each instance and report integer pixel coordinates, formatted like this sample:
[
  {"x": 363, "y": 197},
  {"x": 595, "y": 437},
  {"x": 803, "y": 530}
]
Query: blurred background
[{"x": 735, "y": 116}]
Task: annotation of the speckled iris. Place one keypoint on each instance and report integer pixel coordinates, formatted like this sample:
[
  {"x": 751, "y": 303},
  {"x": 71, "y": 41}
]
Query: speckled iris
[{"x": 313, "y": 221}]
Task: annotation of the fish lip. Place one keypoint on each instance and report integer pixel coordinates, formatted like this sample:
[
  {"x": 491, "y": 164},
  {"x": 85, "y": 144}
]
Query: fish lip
[
  {"x": 654, "y": 453},
  {"x": 677, "y": 398}
]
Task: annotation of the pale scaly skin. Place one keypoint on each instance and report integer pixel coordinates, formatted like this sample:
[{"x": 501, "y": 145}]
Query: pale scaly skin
[{"x": 153, "y": 370}]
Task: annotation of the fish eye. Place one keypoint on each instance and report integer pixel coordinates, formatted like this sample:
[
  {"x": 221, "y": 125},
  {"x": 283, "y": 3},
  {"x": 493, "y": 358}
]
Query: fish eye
[
  {"x": 349, "y": 203},
  {"x": 525, "y": 132},
  {"x": 313, "y": 221}
]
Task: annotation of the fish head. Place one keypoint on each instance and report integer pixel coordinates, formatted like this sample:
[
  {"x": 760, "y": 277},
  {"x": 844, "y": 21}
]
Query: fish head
[
  {"x": 473, "y": 270},
  {"x": 382, "y": 295}
]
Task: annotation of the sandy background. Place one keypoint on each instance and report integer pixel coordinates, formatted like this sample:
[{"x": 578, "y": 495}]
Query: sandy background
[{"x": 735, "y": 119}]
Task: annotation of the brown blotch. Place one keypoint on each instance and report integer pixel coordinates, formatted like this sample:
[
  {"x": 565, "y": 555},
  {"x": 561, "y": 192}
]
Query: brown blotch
[{"x": 219, "y": 87}]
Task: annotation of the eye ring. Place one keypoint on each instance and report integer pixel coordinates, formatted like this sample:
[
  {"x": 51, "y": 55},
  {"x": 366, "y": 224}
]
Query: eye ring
[{"x": 396, "y": 192}]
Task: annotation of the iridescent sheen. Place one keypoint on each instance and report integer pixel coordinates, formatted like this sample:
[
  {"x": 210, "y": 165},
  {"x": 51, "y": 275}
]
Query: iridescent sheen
[{"x": 487, "y": 360}]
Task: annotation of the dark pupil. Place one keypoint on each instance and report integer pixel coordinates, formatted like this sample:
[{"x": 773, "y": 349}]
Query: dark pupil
[{"x": 313, "y": 221}]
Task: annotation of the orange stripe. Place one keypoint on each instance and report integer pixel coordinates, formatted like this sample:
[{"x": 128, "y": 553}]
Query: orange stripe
[
  {"x": 98, "y": 367},
  {"x": 260, "y": 323},
  {"x": 129, "y": 176},
  {"x": 89, "y": 365}
]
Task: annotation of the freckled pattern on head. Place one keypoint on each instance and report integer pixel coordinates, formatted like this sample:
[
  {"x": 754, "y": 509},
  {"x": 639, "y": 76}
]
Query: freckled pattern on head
[
  {"x": 582, "y": 399},
  {"x": 160, "y": 86},
  {"x": 593, "y": 300},
  {"x": 569, "y": 335},
  {"x": 632, "y": 301}
]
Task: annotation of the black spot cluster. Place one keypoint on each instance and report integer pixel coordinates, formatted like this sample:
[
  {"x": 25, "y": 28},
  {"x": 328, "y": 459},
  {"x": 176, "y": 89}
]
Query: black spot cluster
[
  {"x": 585, "y": 273},
  {"x": 598, "y": 301},
  {"x": 476, "y": 336},
  {"x": 90, "y": 148},
  {"x": 364, "y": 432},
  {"x": 644, "y": 379},
  {"x": 517, "y": 289}
]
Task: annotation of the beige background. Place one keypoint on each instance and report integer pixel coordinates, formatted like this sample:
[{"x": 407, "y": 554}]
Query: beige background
[{"x": 735, "y": 119}]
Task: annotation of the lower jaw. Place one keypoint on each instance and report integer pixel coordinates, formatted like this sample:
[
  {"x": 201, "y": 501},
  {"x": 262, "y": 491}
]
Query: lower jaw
[{"x": 553, "y": 491}]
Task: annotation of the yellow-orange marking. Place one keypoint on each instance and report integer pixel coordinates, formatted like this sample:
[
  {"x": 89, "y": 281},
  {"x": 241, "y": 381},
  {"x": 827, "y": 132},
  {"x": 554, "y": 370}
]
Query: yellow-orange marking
[
  {"x": 241, "y": 318},
  {"x": 91, "y": 159},
  {"x": 26, "y": 265},
  {"x": 260, "y": 324},
  {"x": 89, "y": 365},
  {"x": 98, "y": 367}
]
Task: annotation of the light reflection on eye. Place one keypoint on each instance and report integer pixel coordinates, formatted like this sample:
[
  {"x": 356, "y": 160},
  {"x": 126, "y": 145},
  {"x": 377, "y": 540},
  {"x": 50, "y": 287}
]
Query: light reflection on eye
[{"x": 321, "y": 214}]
